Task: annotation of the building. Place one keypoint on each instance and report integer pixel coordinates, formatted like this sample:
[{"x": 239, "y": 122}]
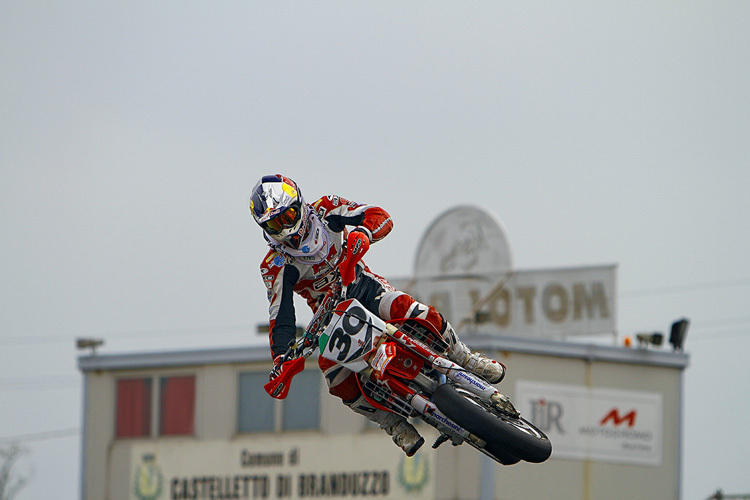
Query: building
[{"x": 198, "y": 425}]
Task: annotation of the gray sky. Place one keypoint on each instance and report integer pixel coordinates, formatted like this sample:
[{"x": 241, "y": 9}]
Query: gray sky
[{"x": 132, "y": 132}]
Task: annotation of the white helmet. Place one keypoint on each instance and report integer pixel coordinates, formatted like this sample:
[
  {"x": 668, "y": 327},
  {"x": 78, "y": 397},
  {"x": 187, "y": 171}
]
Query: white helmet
[{"x": 277, "y": 206}]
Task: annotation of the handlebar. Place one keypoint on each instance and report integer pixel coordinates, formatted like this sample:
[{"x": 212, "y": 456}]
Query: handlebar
[{"x": 293, "y": 360}]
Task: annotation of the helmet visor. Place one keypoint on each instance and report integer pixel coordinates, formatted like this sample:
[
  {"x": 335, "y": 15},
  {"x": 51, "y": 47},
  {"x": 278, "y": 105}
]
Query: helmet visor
[{"x": 286, "y": 219}]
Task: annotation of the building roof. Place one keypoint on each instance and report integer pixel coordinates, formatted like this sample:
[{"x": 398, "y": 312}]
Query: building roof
[{"x": 259, "y": 353}]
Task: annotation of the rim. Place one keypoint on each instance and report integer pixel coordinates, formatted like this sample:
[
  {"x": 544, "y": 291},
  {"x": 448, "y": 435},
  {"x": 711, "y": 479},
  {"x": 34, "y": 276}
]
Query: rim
[{"x": 518, "y": 423}]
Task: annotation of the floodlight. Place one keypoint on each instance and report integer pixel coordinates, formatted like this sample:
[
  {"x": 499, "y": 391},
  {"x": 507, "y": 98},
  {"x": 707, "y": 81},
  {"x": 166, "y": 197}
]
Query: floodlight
[
  {"x": 653, "y": 338},
  {"x": 678, "y": 333},
  {"x": 84, "y": 343}
]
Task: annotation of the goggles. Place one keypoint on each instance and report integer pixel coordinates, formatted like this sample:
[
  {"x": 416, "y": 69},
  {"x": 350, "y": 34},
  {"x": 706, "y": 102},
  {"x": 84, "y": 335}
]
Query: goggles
[{"x": 286, "y": 219}]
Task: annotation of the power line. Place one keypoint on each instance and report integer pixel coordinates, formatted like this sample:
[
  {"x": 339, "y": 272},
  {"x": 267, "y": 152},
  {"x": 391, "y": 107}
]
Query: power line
[
  {"x": 725, "y": 321},
  {"x": 37, "y": 339},
  {"x": 39, "y": 382},
  {"x": 172, "y": 332},
  {"x": 42, "y": 436},
  {"x": 688, "y": 287},
  {"x": 724, "y": 334}
]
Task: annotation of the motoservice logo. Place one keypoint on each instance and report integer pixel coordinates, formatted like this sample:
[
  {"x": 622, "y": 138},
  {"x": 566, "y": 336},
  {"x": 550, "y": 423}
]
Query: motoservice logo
[
  {"x": 617, "y": 424},
  {"x": 548, "y": 416}
]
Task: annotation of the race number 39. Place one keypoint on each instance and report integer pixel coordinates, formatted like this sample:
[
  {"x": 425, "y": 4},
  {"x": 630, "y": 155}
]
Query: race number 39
[{"x": 350, "y": 336}]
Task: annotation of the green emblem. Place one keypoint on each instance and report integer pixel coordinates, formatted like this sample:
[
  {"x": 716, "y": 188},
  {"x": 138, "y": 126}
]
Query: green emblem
[
  {"x": 149, "y": 481},
  {"x": 323, "y": 342},
  {"x": 413, "y": 473}
]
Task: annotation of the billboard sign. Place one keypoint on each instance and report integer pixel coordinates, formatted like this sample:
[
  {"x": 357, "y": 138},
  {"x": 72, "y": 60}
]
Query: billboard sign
[
  {"x": 287, "y": 466},
  {"x": 548, "y": 303},
  {"x": 464, "y": 268},
  {"x": 605, "y": 425}
]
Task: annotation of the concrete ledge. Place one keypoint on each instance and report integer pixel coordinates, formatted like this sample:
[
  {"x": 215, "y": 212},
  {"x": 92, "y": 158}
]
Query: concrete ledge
[
  {"x": 580, "y": 350},
  {"x": 161, "y": 359}
]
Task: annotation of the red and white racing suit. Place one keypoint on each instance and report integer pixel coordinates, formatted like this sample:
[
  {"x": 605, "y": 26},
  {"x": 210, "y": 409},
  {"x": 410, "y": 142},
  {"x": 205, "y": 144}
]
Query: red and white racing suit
[{"x": 311, "y": 277}]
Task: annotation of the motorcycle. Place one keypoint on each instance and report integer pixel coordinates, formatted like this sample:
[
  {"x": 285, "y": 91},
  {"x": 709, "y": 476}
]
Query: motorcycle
[{"x": 402, "y": 368}]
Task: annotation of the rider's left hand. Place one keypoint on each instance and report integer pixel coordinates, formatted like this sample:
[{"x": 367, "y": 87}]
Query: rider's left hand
[
  {"x": 357, "y": 244},
  {"x": 277, "y": 362}
]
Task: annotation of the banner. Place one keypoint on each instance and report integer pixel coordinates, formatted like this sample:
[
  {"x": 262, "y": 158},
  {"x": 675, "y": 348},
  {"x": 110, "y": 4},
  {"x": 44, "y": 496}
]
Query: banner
[
  {"x": 284, "y": 467},
  {"x": 606, "y": 425}
]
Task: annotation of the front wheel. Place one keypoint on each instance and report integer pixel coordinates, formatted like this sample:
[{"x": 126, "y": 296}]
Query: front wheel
[{"x": 505, "y": 435}]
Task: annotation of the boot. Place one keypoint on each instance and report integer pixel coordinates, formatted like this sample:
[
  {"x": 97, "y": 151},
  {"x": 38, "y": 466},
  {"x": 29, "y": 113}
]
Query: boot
[
  {"x": 475, "y": 362},
  {"x": 403, "y": 433}
]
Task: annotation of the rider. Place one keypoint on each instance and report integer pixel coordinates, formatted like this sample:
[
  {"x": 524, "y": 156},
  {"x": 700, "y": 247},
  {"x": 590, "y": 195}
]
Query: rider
[{"x": 306, "y": 243}]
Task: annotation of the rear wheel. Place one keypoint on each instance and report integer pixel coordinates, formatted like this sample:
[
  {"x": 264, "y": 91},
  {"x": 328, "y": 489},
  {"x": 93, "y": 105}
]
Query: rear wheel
[{"x": 507, "y": 437}]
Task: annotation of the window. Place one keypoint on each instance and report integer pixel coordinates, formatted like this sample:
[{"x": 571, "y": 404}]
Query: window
[
  {"x": 177, "y": 405},
  {"x": 145, "y": 408},
  {"x": 256, "y": 407},
  {"x": 133, "y": 408},
  {"x": 258, "y": 412},
  {"x": 302, "y": 405}
]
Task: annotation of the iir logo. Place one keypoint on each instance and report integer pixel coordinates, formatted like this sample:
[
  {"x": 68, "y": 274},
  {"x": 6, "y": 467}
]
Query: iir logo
[{"x": 546, "y": 415}]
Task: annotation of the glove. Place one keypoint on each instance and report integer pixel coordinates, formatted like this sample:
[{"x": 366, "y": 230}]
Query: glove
[
  {"x": 281, "y": 376},
  {"x": 277, "y": 362},
  {"x": 357, "y": 244}
]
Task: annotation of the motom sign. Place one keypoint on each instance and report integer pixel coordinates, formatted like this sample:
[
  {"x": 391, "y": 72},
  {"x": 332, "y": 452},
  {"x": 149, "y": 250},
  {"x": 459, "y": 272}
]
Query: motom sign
[{"x": 464, "y": 269}]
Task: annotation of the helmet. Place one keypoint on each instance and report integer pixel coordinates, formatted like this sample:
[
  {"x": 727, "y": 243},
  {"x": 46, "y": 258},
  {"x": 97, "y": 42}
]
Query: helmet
[{"x": 277, "y": 206}]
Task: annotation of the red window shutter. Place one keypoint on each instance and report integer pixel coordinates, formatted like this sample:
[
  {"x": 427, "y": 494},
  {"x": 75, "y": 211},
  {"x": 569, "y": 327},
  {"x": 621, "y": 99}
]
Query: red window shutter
[
  {"x": 177, "y": 414},
  {"x": 134, "y": 408}
]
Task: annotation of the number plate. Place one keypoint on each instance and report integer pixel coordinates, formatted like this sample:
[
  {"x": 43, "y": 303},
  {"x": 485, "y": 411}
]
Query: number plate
[{"x": 351, "y": 335}]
